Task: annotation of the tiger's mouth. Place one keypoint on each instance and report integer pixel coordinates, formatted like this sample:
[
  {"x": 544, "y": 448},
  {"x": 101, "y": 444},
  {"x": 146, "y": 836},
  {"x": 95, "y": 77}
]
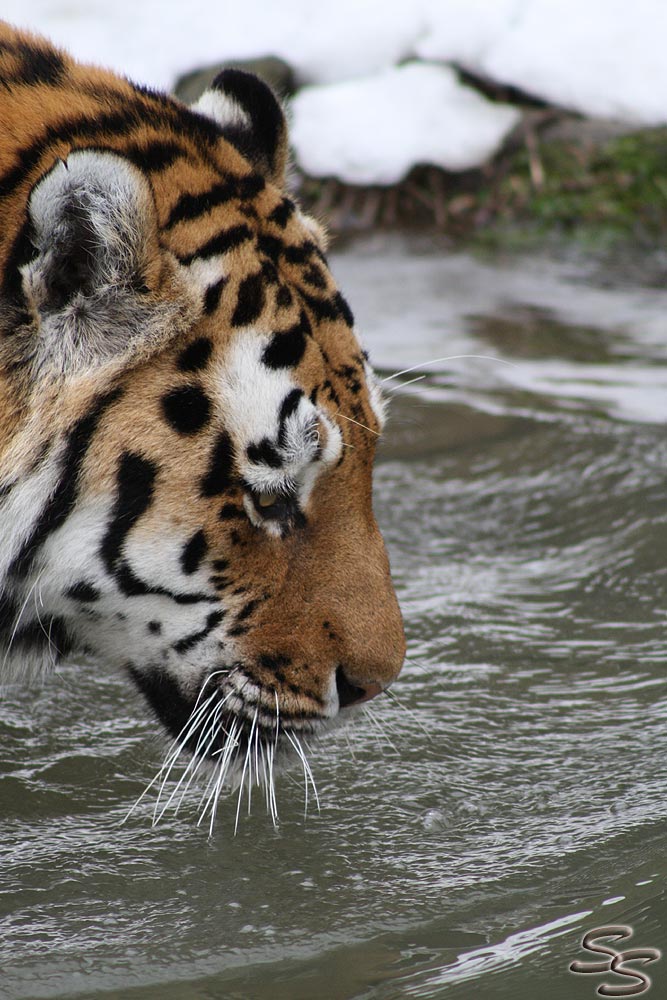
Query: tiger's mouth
[
  {"x": 234, "y": 733},
  {"x": 228, "y": 699},
  {"x": 237, "y": 733}
]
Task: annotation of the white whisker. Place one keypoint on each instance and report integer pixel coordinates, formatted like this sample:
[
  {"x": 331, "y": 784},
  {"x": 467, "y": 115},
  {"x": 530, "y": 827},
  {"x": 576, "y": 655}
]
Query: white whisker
[
  {"x": 377, "y": 728},
  {"x": 243, "y": 772},
  {"x": 451, "y": 357},
  {"x": 32, "y": 591},
  {"x": 408, "y": 711},
  {"x": 402, "y": 385},
  {"x": 177, "y": 748},
  {"x": 209, "y": 732},
  {"x": 218, "y": 776},
  {"x": 358, "y": 423},
  {"x": 308, "y": 774}
]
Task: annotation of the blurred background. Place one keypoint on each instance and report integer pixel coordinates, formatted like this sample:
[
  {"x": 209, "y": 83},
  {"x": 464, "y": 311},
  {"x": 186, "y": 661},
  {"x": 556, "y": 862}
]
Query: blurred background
[
  {"x": 467, "y": 114},
  {"x": 494, "y": 174}
]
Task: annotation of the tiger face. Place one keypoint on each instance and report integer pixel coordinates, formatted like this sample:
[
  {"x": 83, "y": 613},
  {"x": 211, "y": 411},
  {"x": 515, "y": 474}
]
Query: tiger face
[{"x": 187, "y": 419}]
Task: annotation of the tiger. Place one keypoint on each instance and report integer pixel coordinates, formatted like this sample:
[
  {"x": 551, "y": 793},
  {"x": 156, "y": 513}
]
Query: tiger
[{"x": 188, "y": 421}]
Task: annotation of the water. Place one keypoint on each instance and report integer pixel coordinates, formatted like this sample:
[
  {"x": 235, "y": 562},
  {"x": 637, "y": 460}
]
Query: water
[{"x": 514, "y": 793}]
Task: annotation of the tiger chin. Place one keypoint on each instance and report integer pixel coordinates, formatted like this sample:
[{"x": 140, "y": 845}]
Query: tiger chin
[{"x": 187, "y": 419}]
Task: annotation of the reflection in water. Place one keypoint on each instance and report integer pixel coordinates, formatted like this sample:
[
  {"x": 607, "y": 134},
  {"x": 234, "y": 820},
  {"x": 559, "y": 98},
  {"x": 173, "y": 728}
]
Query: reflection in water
[{"x": 475, "y": 822}]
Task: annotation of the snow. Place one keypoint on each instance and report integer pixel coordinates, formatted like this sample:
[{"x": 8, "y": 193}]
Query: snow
[
  {"x": 367, "y": 118},
  {"x": 603, "y": 58},
  {"x": 374, "y": 129},
  {"x": 154, "y": 41}
]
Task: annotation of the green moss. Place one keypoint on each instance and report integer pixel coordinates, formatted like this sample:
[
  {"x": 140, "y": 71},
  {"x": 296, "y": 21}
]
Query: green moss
[
  {"x": 599, "y": 193},
  {"x": 617, "y": 188}
]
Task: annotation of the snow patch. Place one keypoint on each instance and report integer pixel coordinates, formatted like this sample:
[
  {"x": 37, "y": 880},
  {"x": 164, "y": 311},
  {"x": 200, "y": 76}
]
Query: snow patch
[{"x": 373, "y": 130}]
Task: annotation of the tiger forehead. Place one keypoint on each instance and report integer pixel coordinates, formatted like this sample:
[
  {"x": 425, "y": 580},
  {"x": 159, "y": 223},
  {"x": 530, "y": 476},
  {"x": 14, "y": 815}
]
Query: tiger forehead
[{"x": 206, "y": 214}]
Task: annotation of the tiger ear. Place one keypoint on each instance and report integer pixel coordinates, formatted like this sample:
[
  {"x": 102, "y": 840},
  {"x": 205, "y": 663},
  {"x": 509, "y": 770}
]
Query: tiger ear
[
  {"x": 99, "y": 283},
  {"x": 251, "y": 119}
]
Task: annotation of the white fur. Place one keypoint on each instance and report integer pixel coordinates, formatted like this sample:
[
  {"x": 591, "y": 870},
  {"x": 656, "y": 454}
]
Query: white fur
[
  {"x": 22, "y": 508},
  {"x": 377, "y": 400},
  {"x": 223, "y": 109},
  {"x": 251, "y": 394},
  {"x": 103, "y": 198}
]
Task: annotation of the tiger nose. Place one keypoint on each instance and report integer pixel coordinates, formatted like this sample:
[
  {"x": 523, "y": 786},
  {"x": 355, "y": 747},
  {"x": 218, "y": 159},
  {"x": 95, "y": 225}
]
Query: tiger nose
[{"x": 350, "y": 693}]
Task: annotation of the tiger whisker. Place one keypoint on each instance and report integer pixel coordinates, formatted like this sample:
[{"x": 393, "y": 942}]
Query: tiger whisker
[
  {"x": 451, "y": 357},
  {"x": 180, "y": 743},
  {"x": 174, "y": 750},
  {"x": 358, "y": 423},
  {"x": 418, "y": 663},
  {"x": 378, "y": 730},
  {"x": 243, "y": 772},
  {"x": 257, "y": 777},
  {"x": 393, "y": 389},
  {"x": 210, "y": 730},
  {"x": 408, "y": 711},
  {"x": 32, "y": 591},
  {"x": 225, "y": 759},
  {"x": 200, "y": 758},
  {"x": 308, "y": 774},
  {"x": 218, "y": 776}
]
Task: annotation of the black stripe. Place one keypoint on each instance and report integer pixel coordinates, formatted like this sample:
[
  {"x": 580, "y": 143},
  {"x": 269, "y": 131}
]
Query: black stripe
[
  {"x": 300, "y": 253},
  {"x": 247, "y": 610},
  {"x": 282, "y": 213},
  {"x": 132, "y": 586},
  {"x": 344, "y": 309},
  {"x": 52, "y": 634},
  {"x": 264, "y": 453},
  {"x": 193, "y": 552},
  {"x": 287, "y": 347},
  {"x": 135, "y": 480},
  {"x": 63, "y": 499},
  {"x": 83, "y": 591},
  {"x": 231, "y": 513},
  {"x": 152, "y": 157},
  {"x": 212, "y": 296},
  {"x": 147, "y": 109},
  {"x": 219, "y": 476},
  {"x": 189, "y": 641},
  {"x": 287, "y": 408},
  {"x": 250, "y": 301},
  {"x": 192, "y": 206},
  {"x": 332, "y": 308},
  {"x": 195, "y": 356},
  {"x": 39, "y": 64},
  {"x": 313, "y": 275},
  {"x": 9, "y": 612},
  {"x": 221, "y": 243}
]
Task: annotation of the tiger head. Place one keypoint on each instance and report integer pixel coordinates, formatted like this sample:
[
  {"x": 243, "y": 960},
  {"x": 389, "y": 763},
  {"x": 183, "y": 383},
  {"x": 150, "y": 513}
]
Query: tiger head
[{"x": 188, "y": 421}]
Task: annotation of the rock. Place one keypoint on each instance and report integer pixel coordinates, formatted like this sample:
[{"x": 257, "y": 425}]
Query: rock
[{"x": 277, "y": 73}]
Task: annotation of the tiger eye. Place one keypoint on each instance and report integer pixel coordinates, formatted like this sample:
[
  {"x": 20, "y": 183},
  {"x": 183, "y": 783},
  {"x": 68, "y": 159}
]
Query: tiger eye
[{"x": 267, "y": 499}]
